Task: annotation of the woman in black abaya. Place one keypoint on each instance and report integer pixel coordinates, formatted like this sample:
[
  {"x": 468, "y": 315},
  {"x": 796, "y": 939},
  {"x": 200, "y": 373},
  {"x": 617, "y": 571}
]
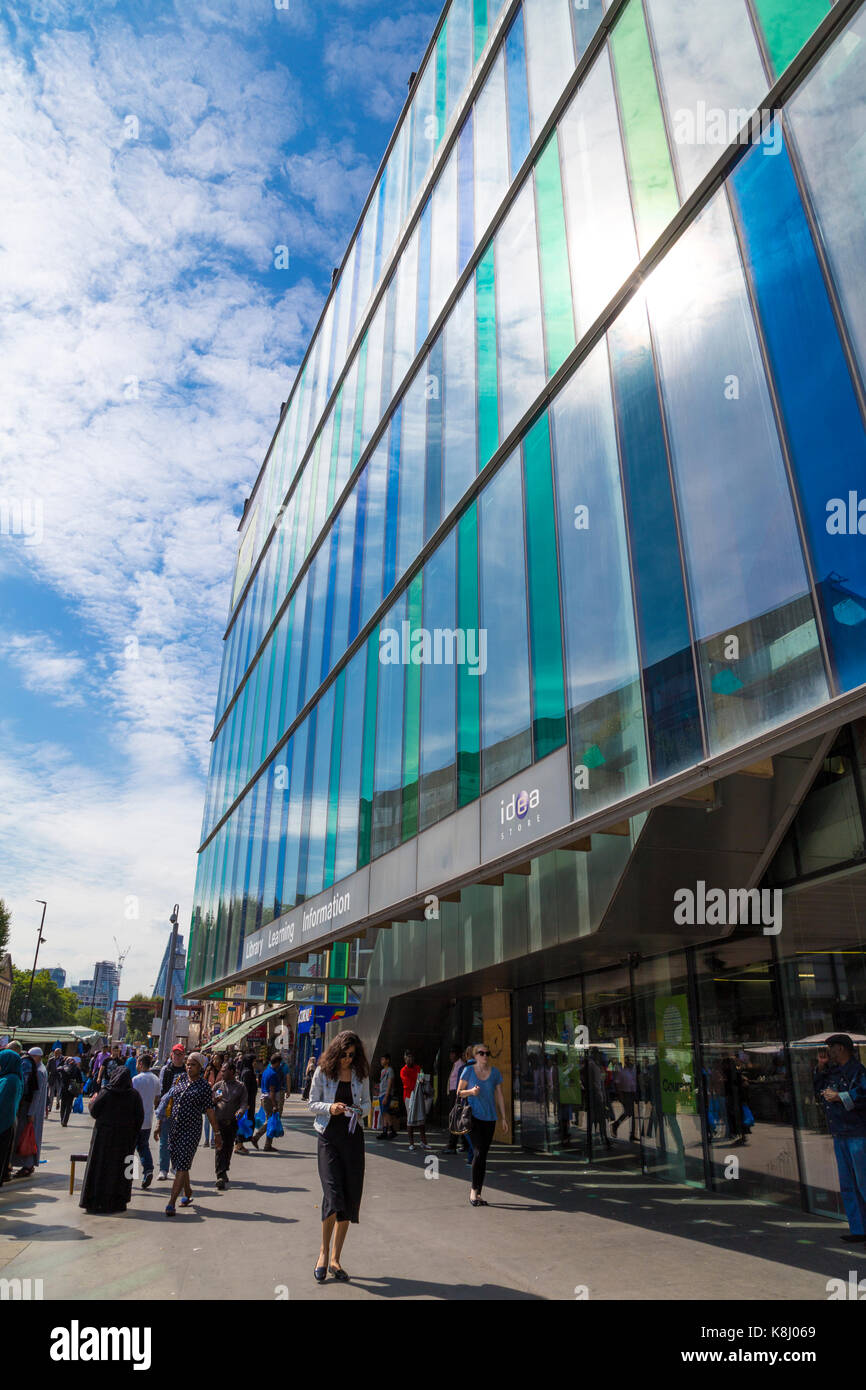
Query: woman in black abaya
[{"x": 119, "y": 1115}]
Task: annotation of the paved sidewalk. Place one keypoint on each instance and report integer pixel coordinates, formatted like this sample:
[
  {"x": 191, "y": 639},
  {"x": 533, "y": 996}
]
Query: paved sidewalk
[{"x": 551, "y": 1228}]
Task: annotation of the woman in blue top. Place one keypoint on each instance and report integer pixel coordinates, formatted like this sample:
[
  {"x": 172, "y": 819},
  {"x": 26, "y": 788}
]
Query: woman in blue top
[{"x": 481, "y": 1084}]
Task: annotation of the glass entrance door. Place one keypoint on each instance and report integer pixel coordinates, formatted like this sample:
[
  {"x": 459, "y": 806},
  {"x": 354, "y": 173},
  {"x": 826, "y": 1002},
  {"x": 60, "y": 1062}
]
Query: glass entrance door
[{"x": 668, "y": 1079}]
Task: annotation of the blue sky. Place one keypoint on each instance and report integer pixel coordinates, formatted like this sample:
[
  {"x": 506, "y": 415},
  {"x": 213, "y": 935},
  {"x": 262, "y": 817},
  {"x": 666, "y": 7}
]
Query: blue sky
[{"x": 153, "y": 158}]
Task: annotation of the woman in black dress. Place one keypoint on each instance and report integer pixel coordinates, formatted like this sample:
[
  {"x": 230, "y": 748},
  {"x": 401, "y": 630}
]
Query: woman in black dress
[
  {"x": 190, "y": 1097},
  {"x": 339, "y": 1100},
  {"x": 119, "y": 1115}
]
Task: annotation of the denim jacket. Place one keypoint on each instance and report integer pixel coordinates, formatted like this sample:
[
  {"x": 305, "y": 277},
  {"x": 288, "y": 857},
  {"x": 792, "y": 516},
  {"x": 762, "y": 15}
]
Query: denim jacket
[
  {"x": 846, "y": 1116},
  {"x": 323, "y": 1093}
]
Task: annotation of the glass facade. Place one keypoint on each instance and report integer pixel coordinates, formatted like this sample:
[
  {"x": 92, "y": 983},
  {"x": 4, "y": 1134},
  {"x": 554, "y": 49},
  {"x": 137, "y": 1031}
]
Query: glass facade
[{"x": 566, "y": 491}]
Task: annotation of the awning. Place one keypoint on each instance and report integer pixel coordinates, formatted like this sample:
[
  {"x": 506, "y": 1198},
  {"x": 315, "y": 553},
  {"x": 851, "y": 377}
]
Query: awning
[
  {"x": 61, "y": 1033},
  {"x": 240, "y": 1030}
]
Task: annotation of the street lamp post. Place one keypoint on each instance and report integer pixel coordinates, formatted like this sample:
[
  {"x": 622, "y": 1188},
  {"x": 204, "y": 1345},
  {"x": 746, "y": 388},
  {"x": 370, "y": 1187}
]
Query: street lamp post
[{"x": 26, "y": 1015}]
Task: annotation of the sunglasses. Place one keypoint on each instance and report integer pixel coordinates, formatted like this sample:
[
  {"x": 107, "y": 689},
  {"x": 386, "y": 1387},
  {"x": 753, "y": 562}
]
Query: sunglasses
[
  {"x": 348, "y": 1052},
  {"x": 481, "y": 1052}
]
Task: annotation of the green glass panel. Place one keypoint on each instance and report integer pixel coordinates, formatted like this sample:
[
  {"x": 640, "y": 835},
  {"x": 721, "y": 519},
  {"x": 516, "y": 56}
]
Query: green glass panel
[
  {"x": 412, "y": 720},
  {"x": 335, "y": 448},
  {"x": 488, "y": 387},
  {"x": 545, "y": 627},
  {"x": 359, "y": 400},
  {"x": 368, "y": 757},
  {"x": 555, "y": 275},
  {"x": 468, "y": 685},
  {"x": 441, "y": 82},
  {"x": 334, "y": 781},
  {"x": 479, "y": 28},
  {"x": 311, "y": 509},
  {"x": 338, "y": 969},
  {"x": 649, "y": 162},
  {"x": 787, "y": 25}
]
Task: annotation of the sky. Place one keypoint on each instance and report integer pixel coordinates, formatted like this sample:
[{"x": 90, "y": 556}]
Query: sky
[{"x": 154, "y": 158}]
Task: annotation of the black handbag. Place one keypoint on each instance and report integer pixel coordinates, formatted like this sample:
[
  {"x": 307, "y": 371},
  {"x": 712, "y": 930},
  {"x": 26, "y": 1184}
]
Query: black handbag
[{"x": 460, "y": 1119}]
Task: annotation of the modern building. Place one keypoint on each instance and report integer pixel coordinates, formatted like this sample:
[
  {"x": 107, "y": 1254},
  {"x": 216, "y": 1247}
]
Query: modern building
[
  {"x": 58, "y": 975},
  {"x": 542, "y": 713},
  {"x": 102, "y": 989},
  {"x": 178, "y": 972}
]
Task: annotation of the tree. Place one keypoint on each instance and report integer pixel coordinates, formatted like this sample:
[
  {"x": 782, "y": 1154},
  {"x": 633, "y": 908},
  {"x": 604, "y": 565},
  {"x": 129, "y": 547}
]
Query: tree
[
  {"x": 5, "y": 925},
  {"x": 48, "y": 1004},
  {"x": 87, "y": 1018},
  {"x": 139, "y": 1017}
]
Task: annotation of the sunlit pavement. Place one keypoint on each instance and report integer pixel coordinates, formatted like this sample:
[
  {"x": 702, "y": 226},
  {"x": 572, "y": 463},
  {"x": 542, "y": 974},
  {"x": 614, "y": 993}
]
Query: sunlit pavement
[{"x": 551, "y": 1231}]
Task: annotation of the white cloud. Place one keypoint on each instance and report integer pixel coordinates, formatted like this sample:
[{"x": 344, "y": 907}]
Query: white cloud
[{"x": 43, "y": 669}]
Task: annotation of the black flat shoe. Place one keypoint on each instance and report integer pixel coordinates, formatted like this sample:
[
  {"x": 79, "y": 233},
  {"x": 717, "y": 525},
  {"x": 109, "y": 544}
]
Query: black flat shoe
[
  {"x": 321, "y": 1273},
  {"x": 339, "y": 1274},
  {"x": 477, "y": 1202}
]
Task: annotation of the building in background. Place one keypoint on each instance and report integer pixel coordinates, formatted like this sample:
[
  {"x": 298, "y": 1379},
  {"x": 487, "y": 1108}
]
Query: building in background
[
  {"x": 58, "y": 975},
  {"x": 542, "y": 715},
  {"x": 101, "y": 990},
  {"x": 178, "y": 973},
  {"x": 5, "y": 987}
]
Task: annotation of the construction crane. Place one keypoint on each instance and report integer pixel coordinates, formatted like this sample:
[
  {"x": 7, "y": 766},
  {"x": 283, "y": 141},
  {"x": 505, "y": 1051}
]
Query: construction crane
[{"x": 121, "y": 957}]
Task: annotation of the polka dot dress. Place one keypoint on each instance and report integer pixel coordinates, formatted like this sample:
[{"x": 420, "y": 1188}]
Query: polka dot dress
[{"x": 189, "y": 1102}]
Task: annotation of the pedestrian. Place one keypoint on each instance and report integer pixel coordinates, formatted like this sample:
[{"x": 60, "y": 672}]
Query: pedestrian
[
  {"x": 119, "y": 1113},
  {"x": 386, "y": 1092},
  {"x": 189, "y": 1099},
  {"x": 35, "y": 1111},
  {"x": 52, "y": 1068},
  {"x": 11, "y": 1086},
  {"x": 840, "y": 1082},
  {"x": 481, "y": 1083},
  {"x": 250, "y": 1082},
  {"x": 413, "y": 1094},
  {"x": 339, "y": 1098},
  {"x": 131, "y": 1064},
  {"x": 230, "y": 1102},
  {"x": 285, "y": 1083},
  {"x": 110, "y": 1065},
  {"x": 71, "y": 1086},
  {"x": 173, "y": 1070},
  {"x": 308, "y": 1078},
  {"x": 626, "y": 1091},
  {"x": 147, "y": 1084},
  {"x": 456, "y": 1064},
  {"x": 271, "y": 1082},
  {"x": 211, "y": 1075}
]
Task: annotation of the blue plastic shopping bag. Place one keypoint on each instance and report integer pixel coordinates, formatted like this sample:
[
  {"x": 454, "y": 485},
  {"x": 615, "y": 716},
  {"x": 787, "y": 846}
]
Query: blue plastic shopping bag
[
  {"x": 78, "y": 1106},
  {"x": 245, "y": 1127},
  {"x": 275, "y": 1127},
  {"x": 261, "y": 1117}
]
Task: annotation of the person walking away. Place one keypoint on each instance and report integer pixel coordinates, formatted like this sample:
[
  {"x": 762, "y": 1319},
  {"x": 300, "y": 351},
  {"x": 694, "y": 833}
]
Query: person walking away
[
  {"x": 71, "y": 1086},
  {"x": 131, "y": 1064},
  {"x": 11, "y": 1087},
  {"x": 840, "y": 1083},
  {"x": 626, "y": 1092},
  {"x": 189, "y": 1099},
  {"x": 173, "y": 1070},
  {"x": 250, "y": 1082},
  {"x": 456, "y": 1063},
  {"x": 416, "y": 1113},
  {"x": 118, "y": 1111},
  {"x": 230, "y": 1102},
  {"x": 271, "y": 1082},
  {"x": 52, "y": 1067},
  {"x": 339, "y": 1099},
  {"x": 146, "y": 1084},
  {"x": 285, "y": 1084},
  {"x": 211, "y": 1076},
  {"x": 481, "y": 1083},
  {"x": 386, "y": 1094},
  {"x": 308, "y": 1078},
  {"x": 36, "y": 1112}
]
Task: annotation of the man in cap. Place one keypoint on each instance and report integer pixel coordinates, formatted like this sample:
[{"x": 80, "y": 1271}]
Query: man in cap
[{"x": 840, "y": 1084}]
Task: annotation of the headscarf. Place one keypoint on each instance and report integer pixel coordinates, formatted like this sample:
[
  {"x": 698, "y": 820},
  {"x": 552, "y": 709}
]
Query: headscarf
[
  {"x": 120, "y": 1080},
  {"x": 11, "y": 1086},
  {"x": 197, "y": 1057},
  {"x": 35, "y": 1052}
]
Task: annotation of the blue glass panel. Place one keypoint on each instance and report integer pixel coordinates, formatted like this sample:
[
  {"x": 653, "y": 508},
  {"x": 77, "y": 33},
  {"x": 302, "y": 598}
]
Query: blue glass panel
[
  {"x": 319, "y": 800},
  {"x": 329, "y": 548},
  {"x": 519, "y": 138},
  {"x": 343, "y": 581},
  {"x": 673, "y": 716},
  {"x": 380, "y": 227},
  {"x": 438, "y": 764},
  {"x": 388, "y": 783},
  {"x": 422, "y": 321},
  {"x": 465, "y": 196},
  {"x": 296, "y": 660},
  {"x": 506, "y": 715},
  {"x": 289, "y": 892},
  {"x": 360, "y": 491},
  {"x": 346, "y": 859},
  {"x": 813, "y": 383},
  {"x": 374, "y": 535},
  {"x": 433, "y": 469},
  {"x": 304, "y": 835},
  {"x": 283, "y": 762},
  {"x": 392, "y": 496},
  {"x": 411, "y": 510}
]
